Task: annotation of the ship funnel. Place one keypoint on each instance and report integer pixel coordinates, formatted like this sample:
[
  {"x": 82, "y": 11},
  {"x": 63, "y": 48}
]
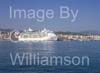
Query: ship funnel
[{"x": 29, "y": 29}]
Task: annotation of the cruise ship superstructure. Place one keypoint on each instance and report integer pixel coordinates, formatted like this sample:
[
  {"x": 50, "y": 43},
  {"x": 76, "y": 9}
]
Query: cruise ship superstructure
[{"x": 43, "y": 35}]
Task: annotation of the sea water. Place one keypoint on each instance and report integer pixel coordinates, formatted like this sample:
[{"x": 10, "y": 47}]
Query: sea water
[{"x": 71, "y": 49}]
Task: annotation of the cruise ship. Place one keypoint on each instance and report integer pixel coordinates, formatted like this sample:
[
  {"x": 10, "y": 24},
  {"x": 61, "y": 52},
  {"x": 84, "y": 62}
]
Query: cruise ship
[{"x": 43, "y": 35}]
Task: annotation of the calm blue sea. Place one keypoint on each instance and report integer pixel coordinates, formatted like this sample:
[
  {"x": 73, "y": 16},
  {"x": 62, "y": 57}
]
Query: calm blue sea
[{"x": 56, "y": 48}]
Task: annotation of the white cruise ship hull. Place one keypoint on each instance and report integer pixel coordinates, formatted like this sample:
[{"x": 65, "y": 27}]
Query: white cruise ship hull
[
  {"x": 38, "y": 39},
  {"x": 44, "y": 35}
]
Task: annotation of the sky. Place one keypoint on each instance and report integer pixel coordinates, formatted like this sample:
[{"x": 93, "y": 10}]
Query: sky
[{"x": 88, "y": 17}]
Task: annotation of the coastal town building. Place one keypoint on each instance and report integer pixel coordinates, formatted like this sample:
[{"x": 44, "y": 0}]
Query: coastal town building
[{"x": 7, "y": 34}]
